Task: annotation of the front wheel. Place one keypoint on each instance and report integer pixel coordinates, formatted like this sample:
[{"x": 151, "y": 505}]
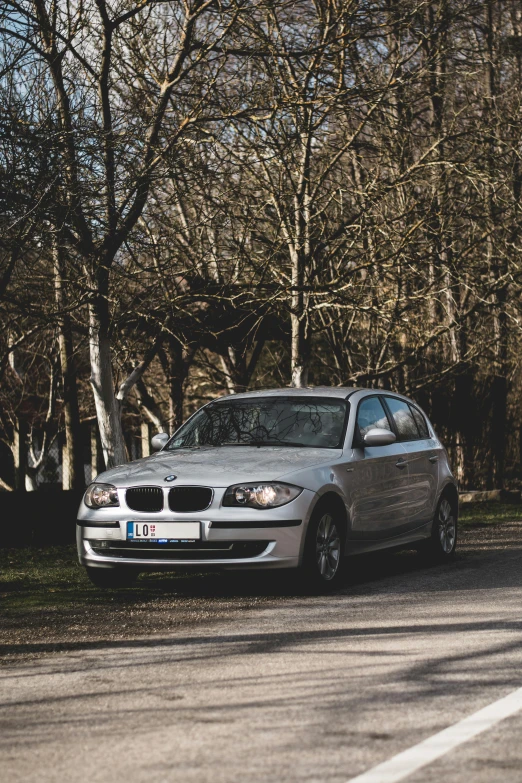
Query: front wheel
[
  {"x": 112, "y": 577},
  {"x": 443, "y": 541},
  {"x": 323, "y": 561}
]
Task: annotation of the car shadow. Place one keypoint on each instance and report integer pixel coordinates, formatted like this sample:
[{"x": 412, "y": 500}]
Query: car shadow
[{"x": 86, "y": 617}]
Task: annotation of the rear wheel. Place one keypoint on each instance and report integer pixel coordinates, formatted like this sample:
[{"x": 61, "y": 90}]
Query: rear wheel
[
  {"x": 323, "y": 561},
  {"x": 112, "y": 577},
  {"x": 443, "y": 541}
]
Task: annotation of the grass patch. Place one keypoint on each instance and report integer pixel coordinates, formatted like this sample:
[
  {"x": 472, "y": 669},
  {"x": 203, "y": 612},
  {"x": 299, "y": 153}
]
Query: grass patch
[
  {"x": 34, "y": 578},
  {"x": 480, "y": 514},
  {"x": 48, "y": 604},
  {"x": 30, "y": 576}
]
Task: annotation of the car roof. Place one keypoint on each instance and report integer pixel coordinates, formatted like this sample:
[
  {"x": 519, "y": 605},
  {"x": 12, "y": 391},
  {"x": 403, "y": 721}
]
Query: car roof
[{"x": 341, "y": 392}]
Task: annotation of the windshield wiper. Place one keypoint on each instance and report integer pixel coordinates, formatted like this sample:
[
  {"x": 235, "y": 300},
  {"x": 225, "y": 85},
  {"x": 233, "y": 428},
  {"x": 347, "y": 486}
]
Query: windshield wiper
[
  {"x": 259, "y": 443},
  {"x": 255, "y": 443},
  {"x": 230, "y": 443}
]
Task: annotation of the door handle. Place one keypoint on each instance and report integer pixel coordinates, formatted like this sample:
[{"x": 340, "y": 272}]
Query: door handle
[
  {"x": 433, "y": 458},
  {"x": 401, "y": 463}
]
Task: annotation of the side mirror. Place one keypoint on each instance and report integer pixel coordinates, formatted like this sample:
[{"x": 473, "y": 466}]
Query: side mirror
[
  {"x": 159, "y": 440},
  {"x": 378, "y": 437}
]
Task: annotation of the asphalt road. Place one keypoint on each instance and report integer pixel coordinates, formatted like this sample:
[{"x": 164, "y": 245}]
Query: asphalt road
[{"x": 305, "y": 689}]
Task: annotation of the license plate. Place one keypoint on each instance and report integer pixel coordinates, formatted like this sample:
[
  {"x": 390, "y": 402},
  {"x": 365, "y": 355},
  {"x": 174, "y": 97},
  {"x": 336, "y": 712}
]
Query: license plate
[{"x": 164, "y": 532}]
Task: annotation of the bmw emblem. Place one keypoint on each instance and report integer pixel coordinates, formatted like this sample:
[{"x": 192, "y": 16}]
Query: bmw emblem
[{"x": 170, "y": 478}]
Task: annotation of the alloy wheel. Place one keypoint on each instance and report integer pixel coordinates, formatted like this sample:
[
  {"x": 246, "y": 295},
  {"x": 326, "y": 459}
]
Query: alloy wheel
[
  {"x": 446, "y": 526},
  {"x": 328, "y": 547}
]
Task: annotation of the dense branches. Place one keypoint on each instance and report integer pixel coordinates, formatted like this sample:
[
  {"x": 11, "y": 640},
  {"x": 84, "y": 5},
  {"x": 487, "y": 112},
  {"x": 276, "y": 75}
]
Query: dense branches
[{"x": 199, "y": 196}]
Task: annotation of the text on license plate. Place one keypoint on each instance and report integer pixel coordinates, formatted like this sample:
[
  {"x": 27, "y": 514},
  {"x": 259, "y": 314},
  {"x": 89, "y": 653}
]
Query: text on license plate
[{"x": 163, "y": 532}]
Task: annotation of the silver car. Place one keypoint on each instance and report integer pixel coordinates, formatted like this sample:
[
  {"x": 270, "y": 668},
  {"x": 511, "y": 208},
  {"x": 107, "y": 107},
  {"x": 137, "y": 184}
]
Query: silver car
[{"x": 286, "y": 478}]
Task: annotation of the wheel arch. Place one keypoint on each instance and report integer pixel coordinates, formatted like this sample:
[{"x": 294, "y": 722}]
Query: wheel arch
[
  {"x": 450, "y": 491},
  {"x": 334, "y": 501},
  {"x": 328, "y": 497}
]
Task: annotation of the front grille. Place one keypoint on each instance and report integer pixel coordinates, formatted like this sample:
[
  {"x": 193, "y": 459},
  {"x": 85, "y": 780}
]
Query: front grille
[
  {"x": 201, "y": 550},
  {"x": 185, "y": 499},
  {"x": 145, "y": 498}
]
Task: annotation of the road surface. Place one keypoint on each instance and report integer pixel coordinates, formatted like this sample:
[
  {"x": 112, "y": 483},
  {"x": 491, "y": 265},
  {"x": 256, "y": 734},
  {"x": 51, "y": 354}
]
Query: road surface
[{"x": 304, "y": 689}]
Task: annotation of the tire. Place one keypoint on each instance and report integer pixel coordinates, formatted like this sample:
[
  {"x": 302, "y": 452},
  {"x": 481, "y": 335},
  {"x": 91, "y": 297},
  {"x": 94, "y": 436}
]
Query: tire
[
  {"x": 112, "y": 577},
  {"x": 323, "y": 561},
  {"x": 441, "y": 545}
]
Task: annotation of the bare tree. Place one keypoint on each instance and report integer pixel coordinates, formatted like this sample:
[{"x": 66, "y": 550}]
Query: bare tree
[{"x": 116, "y": 123}]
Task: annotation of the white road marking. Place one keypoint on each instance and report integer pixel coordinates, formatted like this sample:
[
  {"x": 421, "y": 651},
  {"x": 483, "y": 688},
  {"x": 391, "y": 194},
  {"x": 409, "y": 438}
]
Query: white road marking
[{"x": 409, "y": 761}]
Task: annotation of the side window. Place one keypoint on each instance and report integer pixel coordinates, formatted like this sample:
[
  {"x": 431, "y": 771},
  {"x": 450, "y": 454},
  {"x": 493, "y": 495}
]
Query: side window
[
  {"x": 421, "y": 422},
  {"x": 403, "y": 419},
  {"x": 371, "y": 414}
]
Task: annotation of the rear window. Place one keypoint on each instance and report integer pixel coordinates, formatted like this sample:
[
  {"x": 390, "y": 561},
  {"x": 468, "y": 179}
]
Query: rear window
[
  {"x": 421, "y": 422},
  {"x": 403, "y": 418}
]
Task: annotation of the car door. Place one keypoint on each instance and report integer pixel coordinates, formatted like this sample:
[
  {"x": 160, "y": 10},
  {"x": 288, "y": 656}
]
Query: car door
[
  {"x": 377, "y": 478},
  {"x": 422, "y": 455}
]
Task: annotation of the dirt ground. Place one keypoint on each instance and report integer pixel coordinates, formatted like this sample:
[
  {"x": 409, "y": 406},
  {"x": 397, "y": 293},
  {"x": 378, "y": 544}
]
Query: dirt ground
[{"x": 47, "y": 603}]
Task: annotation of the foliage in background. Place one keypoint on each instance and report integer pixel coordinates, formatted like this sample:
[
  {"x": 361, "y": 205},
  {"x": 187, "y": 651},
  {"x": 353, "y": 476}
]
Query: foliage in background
[{"x": 201, "y": 197}]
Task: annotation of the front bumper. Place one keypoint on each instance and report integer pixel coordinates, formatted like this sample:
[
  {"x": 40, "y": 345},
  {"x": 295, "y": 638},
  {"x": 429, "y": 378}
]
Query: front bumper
[{"x": 232, "y": 538}]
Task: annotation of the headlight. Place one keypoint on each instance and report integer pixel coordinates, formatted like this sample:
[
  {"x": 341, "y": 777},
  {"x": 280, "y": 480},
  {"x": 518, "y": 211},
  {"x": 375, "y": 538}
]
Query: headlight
[
  {"x": 101, "y": 495},
  {"x": 260, "y": 495}
]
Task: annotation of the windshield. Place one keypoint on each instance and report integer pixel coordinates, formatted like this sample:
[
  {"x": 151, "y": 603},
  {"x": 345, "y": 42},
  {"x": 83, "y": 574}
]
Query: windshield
[{"x": 266, "y": 421}]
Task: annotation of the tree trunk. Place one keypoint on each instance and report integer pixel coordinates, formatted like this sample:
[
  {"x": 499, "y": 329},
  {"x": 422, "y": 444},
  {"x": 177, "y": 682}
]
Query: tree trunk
[
  {"x": 300, "y": 357},
  {"x": 176, "y": 362},
  {"x": 176, "y": 398},
  {"x": 72, "y": 459},
  {"x": 300, "y": 333},
  {"x": 145, "y": 438},
  {"x": 108, "y": 408},
  {"x": 238, "y": 367},
  {"x": 462, "y": 420},
  {"x": 499, "y": 393},
  {"x": 19, "y": 449},
  {"x": 301, "y": 258},
  {"x": 496, "y": 264},
  {"x": 150, "y": 407},
  {"x": 95, "y": 451}
]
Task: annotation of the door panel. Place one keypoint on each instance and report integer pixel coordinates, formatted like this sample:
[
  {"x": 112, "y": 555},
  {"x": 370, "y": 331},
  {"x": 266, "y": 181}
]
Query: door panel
[
  {"x": 379, "y": 495},
  {"x": 422, "y": 455},
  {"x": 423, "y": 464},
  {"x": 376, "y": 479}
]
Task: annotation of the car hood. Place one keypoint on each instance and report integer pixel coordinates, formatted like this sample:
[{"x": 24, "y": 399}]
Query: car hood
[{"x": 218, "y": 466}]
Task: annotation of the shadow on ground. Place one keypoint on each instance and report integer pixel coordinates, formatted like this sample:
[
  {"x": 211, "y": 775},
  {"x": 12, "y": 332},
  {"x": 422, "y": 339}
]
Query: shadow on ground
[{"x": 47, "y": 603}]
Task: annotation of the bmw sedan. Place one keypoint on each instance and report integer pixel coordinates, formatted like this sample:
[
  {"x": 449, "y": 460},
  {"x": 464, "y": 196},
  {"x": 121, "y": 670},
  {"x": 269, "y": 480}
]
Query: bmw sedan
[{"x": 286, "y": 478}]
